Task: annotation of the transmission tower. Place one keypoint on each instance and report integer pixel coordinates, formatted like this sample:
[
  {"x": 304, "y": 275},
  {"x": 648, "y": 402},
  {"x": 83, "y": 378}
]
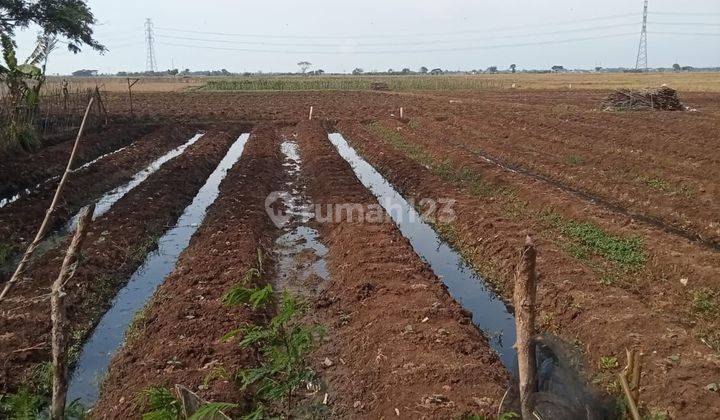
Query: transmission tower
[
  {"x": 642, "y": 62},
  {"x": 150, "y": 39}
]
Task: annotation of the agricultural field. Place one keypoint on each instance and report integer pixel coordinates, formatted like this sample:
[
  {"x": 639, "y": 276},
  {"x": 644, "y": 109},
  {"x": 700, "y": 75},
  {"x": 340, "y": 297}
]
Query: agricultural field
[{"x": 309, "y": 247}]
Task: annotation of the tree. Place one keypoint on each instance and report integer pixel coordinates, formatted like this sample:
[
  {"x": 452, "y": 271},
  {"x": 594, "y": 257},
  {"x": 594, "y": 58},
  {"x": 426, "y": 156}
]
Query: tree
[
  {"x": 69, "y": 19},
  {"x": 173, "y": 72},
  {"x": 492, "y": 69},
  {"x": 557, "y": 69},
  {"x": 304, "y": 66},
  {"x": 677, "y": 67},
  {"x": 513, "y": 67},
  {"x": 436, "y": 72},
  {"x": 358, "y": 71},
  {"x": 406, "y": 71},
  {"x": 424, "y": 70},
  {"x": 598, "y": 69}
]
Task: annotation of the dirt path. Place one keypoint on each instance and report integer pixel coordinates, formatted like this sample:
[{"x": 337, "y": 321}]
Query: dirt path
[
  {"x": 602, "y": 319},
  {"x": 396, "y": 338},
  {"x": 185, "y": 320},
  {"x": 20, "y": 220},
  {"x": 117, "y": 244},
  {"x": 27, "y": 170}
]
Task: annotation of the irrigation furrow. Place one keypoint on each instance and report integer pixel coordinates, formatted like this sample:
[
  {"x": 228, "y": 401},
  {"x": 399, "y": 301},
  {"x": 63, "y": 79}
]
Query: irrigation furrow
[
  {"x": 397, "y": 341},
  {"x": 110, "y": 331},
  {"x": 185, "y": 320},
  {"x": 116, "y": 246},
  {"x": 22, "y": 172},
  {"x": 20, "y": 220}
]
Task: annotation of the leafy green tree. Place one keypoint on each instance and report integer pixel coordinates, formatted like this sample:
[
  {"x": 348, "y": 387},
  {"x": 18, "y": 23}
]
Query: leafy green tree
[
  {"x": 69, "y": 19},
  {"x": 513, "y": 67},
  {"x": 424, "y": 70}
]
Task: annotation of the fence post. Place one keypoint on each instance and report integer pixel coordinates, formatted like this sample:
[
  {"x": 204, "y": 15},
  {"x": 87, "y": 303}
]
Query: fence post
[
  {"x": 58, "y": 315},
  {"x": 524, "y": 299},
  {"x": 130, "y": 86}
]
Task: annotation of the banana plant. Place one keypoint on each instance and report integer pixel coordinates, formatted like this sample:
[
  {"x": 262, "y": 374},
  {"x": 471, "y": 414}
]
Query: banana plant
[{"x": 23, "y": 83}]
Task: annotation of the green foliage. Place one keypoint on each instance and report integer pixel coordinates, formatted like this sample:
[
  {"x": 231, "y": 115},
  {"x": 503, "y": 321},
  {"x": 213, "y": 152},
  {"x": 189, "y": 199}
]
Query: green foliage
[
  {"x": 587, "y": 238},
  {"x": 23, "y": 405},
  {"x": 509, "y": 416},
  {"x": 705, "y": 301},
  {"x": 256, "y": 298},
  {"x": 71, "y": 19},
  {"x": 284, "y": 344},
  {"x": 608, "y": 362},
  {"x": 210, "y": 410},
  {"x": 161, "y": 404},
  {"x": 574, "y": 160}
]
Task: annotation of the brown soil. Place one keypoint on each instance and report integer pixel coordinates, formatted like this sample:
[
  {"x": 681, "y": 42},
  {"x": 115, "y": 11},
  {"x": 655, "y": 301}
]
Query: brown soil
[
  {"x": 19, "y": 221},
  {"x": 27, "y": 170},
  {"x": 604, "y": 319},
  {"x": 386, "y": 358},
  {"x": 116, "y": 246},
  {"x": 186, "y": 319}
]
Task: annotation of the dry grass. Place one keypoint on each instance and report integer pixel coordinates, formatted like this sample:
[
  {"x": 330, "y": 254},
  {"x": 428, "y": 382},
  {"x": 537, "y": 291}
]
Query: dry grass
[{"x": 686, "y": 82}]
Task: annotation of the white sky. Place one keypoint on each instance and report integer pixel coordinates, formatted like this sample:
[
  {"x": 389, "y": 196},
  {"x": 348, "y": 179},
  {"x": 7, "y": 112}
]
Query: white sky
[{"x": 451, "y": 34}]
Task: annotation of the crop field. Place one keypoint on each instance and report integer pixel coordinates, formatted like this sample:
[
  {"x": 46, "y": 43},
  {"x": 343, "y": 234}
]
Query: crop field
[{"x": 307, "y": 247}]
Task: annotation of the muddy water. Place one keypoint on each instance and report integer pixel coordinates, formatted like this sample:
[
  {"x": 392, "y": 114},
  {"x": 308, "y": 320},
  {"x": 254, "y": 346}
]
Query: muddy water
[
  {"x": 467, "y": 287},
  {"x": 109, "y": 334},
  {"x": 299, "y": 252}
]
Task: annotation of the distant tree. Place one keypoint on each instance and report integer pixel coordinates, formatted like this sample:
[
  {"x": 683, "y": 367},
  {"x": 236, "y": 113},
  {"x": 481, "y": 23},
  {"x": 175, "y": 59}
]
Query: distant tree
[
  {"x": 304, "y": 66},
  {"x": 423, "y": 70},
  {"x": 677, "y": 67},
  {"x": 436, "y": 72},
  {"x": 598, "y": 69},
  {"x": 492, "y": 69},
  {"x": 391, "y": 71},
  {"x": 687, "y": 68},
  {"x": 358, "y": 71},
  {"x": 186, "y": 71},
  {"x": 173, "y": 72},
  {"x": 85, "y": 73},
  {"x": 406, "y": 71},
  {"x": 513, "y": 67},
  {"x": 557, "y": 69}
]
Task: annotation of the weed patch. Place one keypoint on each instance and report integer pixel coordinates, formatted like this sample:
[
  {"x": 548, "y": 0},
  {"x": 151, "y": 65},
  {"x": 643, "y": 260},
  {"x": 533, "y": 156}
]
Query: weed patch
[
  {"x": 574, "y": 160},
  {"x": 705, "y": 301},
  {"x": 588, "y": 239}
]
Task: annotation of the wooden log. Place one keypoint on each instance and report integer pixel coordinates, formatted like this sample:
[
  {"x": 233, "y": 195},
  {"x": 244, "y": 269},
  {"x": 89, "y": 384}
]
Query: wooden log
[
  {"x": 524, "y": 299},
  {"x": 46, "y": 222},
  {"x": 59, "y": 321}
]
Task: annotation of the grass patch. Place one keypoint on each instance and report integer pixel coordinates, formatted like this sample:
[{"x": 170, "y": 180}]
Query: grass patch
[
  {"x": 705, "y": 301},
  {"x": 588, "y": 239},
  {"x": 6, "y": 251},
  {"x": 147, "y": 244},
  {"x": 574, "y": 160},
  {"x": 666, "y": 187}
]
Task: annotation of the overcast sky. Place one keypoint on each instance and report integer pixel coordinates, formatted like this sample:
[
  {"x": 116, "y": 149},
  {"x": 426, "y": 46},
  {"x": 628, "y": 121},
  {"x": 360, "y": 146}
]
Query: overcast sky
[{"x": 274, "y": 35}]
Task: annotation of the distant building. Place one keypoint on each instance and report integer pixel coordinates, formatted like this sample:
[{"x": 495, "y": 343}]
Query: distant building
[{"x": 85, "y": 73}]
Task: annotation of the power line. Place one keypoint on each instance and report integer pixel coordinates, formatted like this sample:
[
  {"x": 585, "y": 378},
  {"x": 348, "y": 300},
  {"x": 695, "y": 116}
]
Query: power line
[
  {"x": 422, "y": 34},
  {"x": 685, "y": 23},
  {"x": 150, "y": 40},
  {"x": 392, "y": 44},
  {"x": 470, "y": 48}
]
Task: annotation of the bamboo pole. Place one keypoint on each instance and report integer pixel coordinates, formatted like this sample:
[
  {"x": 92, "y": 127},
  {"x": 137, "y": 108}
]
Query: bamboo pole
[
  {"x": 57, "y": 314},
  {"x": 524, "y": 298},
  {"x": 46, "y": 222}
]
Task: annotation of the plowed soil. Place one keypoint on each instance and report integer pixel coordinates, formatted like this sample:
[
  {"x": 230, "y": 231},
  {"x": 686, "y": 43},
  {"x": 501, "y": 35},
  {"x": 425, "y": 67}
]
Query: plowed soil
[
  {"x": 20, "y": 220},
  {"x": 116, "y": 245},
  {"x": 22, "y": 171},
  {"x": 397, "y": 338}
]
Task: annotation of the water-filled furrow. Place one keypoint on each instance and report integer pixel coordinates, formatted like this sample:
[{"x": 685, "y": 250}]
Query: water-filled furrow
[
  {"x": 489, "y": 312},
  {"x": 109, "y": 334}
]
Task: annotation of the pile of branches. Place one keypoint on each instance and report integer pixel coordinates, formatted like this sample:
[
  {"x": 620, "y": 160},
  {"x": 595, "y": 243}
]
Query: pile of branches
[{"x": 663, "y": 98}]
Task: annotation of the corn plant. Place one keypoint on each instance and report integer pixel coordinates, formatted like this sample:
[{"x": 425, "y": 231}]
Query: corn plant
[{"x": 161, "y": 404}]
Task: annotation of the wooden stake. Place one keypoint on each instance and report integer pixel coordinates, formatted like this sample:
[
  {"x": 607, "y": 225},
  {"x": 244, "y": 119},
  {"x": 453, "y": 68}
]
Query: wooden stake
[
  {"x": 311, "y": 114},
  {"x": 628, "y": 396},
  {"x": 524, "y": 298},
  {"x": 46, "y": 222},
  {"x": 130, "y": 86},
  {"x": 57, "y": 312},
  {"x": 401, "y": 112}
]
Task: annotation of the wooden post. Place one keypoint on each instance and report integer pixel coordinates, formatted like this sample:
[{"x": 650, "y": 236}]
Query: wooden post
[
  {"x": 401, "y": 113},
  {"x": 311, "y": 114},
  {"x": 46, "y": 222},
  {"x": 57, "y": 313},
  {"x": 101, "y": 106},
  {"x": 524, "y": 298},
  {"x": 630, "y": 382},
  {"x": 130, "y": 86}
]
